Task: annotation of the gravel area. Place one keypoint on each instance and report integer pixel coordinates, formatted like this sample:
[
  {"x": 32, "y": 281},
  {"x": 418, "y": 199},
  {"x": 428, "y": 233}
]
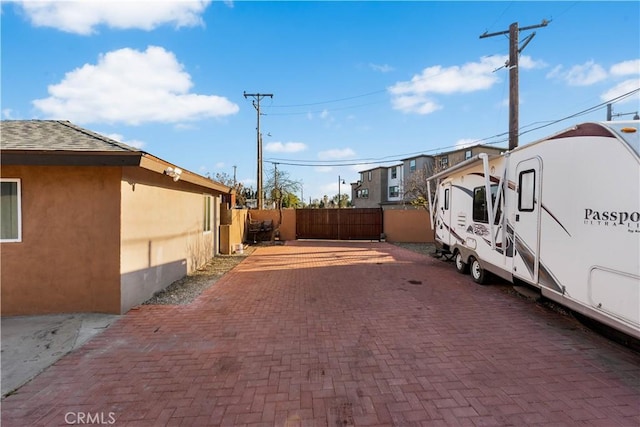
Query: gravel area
[
  {"x": 187, "y": 289},
  {"x": 422, "y": 248}
]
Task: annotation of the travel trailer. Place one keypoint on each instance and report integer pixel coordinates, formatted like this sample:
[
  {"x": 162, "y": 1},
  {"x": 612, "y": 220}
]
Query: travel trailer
[{"x": 561, "y": 214}]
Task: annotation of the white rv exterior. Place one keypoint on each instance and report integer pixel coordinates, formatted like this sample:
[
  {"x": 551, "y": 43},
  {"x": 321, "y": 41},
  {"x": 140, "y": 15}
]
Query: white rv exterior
[{"x": 561, "y": 214}]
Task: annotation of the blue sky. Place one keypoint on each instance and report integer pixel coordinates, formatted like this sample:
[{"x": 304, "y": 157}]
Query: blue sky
[{"x": 354, "y": 84}]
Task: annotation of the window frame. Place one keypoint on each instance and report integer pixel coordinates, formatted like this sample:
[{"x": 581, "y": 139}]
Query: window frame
[
  {"x": 397, "y": 191},
  {"x": 531, "y": 195},
  {"x": 394, "y": 173},
  {"x": 468, "y": 154},
  {"x": 485, "y": 217},
  {"x": 207, "y": 226},
  {"x": 18, "y": 182},
  {"x": 412, "y": 165}
]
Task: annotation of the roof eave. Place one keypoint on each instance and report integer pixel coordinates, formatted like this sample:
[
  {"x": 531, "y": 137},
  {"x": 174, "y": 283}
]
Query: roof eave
[{"x": 69, "y": 158}]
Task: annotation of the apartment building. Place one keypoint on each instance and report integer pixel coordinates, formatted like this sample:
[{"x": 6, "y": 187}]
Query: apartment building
[{"x": 382, "y": 186}]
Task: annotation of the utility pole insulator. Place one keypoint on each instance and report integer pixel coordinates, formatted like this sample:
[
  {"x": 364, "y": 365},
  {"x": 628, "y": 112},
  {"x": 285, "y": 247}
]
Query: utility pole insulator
[
  {"x": 514, "y": 53},
  {"x": 257, "y": 97}
]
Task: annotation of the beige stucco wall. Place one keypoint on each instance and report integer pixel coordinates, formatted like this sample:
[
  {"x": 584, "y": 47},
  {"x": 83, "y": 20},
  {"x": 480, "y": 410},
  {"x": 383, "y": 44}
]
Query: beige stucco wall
[
  {"x": 69, "y": 257},
  {"x": 409, "y": 225},
  {"x": 233, "y": 229},
  {"x": 288, "y": 226},
  {"x": 162, "y": 232}
]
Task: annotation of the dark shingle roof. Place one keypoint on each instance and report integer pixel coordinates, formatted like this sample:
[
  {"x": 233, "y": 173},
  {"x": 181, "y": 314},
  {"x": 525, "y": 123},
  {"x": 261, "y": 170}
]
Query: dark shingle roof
[{"x": 55, "y": 135}]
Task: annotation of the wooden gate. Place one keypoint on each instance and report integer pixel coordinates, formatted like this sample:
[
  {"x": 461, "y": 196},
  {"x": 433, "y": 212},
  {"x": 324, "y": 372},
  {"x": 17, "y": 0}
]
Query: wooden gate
[{"x": 339, "y": 224}]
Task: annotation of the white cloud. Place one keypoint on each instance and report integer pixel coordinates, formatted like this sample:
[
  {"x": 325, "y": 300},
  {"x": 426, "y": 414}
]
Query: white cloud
[
  {"x": 381, "y": 68},
  {"x": 219, "y": 165},
  {"x": 82, "y": 17},
  {"x": 418, "y": 94},
  {"x": 622, "y": 88},
  {"x": 626, "y": 68},
  {"x": 580, "y": 75},
  {"x": 130, "y": 86},
  {"x": 7, "y": 113},
  {"x": 323, "y": 169},
  {"x": 285, "y": 147},
  {"x": 466, "y": 142},
  {"x": 117, "y": 137},
  {"x": 336, "y": 154},
  {"x": 417, "y": 103}
]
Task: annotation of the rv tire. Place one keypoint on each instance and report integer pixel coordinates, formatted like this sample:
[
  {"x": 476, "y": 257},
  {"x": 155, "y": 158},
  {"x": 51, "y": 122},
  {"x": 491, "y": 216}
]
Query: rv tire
[
  {"x": 477, "y": 272},
  {"x": 461, "y": 266}
]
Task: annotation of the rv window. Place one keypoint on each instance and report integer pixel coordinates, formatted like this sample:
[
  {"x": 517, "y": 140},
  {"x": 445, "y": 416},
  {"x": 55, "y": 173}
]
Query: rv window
[
  {"x": 527, "y": 190},
  {"x": 446, "y": 199},
  {"x": 480, "y": 210}
]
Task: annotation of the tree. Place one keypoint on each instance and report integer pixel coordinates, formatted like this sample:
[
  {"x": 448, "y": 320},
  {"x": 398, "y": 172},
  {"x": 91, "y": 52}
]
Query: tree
[
  {"x": 280, "y": 187},
  {"x": 344, "y": 200},
  {"x": 281, "y": 190},
  {"x": 241, "y": 192},
  {"x": 415, "y": 186}
]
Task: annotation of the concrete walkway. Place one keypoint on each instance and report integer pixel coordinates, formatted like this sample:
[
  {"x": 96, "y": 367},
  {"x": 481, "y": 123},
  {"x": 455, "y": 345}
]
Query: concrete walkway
[
  {"x": 328, "y": 334},
  {"x": 30, "y": 344}
]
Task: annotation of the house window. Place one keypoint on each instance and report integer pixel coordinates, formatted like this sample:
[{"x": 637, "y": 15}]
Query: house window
[
  {"x": 369, "y": 175},
  {"x": 11, "y": 217},
  {"x": 527, "y": 190},
  {"x": 363, "y": 193},
  {"x": 480, "y": 210},
  {"x": 412, "y": 165},
  {"x": 444, "y": 162},
  {"x": 394, "y": 172},
  {"x": 394, "y": 191},
  {"x": 207, "y": 213},
  {"x": 467, "y": 154}
]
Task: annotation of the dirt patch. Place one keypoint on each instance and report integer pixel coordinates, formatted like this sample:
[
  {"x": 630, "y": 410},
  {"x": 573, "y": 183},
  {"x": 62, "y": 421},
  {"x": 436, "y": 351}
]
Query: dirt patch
[
  {"x": 421, "y": 248},
  {"x": 187, "y": 289}
]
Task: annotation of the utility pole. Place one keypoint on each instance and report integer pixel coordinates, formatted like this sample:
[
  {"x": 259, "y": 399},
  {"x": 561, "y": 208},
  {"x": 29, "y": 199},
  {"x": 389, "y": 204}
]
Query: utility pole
[
  {"x": 234, "y": 176},
  {"x": 257, "y": 97},
  {"x": 275, "y": 185},
  {"x": 514, "y": 52}
]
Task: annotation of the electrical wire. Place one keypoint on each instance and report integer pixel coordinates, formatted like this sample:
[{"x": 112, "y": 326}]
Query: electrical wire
[{"x": 399, "y": 157}]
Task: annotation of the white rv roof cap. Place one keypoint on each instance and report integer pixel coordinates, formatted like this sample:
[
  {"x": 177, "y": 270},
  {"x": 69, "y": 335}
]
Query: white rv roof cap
[{"x": 628, "y": 131}]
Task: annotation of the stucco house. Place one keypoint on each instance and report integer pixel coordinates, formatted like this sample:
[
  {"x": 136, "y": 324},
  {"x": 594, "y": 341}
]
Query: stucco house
[{"x": 89, "y": 224}]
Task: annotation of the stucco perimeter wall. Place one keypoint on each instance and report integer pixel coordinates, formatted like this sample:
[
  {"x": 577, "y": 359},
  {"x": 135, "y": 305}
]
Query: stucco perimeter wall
[
  {"x": 69, "y": 257},
  {"x": 232, "y": 230},
  {"x": 288, "y": 226},
  {"x": 408, "y": 226},
  {"x": 162, "y": 233}
]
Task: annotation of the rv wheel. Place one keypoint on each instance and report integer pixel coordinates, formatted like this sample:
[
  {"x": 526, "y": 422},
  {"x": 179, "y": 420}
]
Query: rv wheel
[
  {"x": 461, "y": 266},
  {"x": 477, "y": 272}
]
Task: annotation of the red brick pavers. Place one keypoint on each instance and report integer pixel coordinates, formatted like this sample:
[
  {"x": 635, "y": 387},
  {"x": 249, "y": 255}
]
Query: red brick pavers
[{"x": 340, "y": 334}]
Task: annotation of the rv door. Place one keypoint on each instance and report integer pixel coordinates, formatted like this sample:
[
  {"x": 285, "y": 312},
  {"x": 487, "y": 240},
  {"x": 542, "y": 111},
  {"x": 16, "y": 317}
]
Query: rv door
[
  {"x": 526, "y": 228},
  {"x": 443, "y": 224}
]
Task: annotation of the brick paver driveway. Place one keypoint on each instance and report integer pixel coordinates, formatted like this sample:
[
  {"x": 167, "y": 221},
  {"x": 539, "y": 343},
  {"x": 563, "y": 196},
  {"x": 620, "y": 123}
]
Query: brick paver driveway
[{"x": 339, "y": 334}]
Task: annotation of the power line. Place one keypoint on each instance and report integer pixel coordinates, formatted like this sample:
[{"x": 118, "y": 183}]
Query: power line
[
  {"x": 330, "y": 101},
  {"x": 399, "y": 157},
  {"x": 257, "y": 97}
]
